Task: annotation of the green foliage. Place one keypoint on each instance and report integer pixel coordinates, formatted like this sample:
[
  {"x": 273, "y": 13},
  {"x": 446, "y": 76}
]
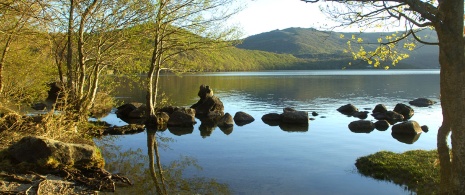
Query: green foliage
[
  {"x": 28, "y": 70},
  {"x": 416, "y": 169}
]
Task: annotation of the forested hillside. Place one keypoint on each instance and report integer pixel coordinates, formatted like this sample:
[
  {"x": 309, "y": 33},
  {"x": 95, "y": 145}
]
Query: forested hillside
[{"x": 328, "y": 47}]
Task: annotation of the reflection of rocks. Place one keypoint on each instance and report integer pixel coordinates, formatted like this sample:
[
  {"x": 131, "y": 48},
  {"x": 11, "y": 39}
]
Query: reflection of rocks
[
  {"x": 361, "y": 126},
  {"x": 360, "y": 115},
  {"x": 208, "y": 105},
  {"x": 422, "y": 102},
  {"x": 208, "y": 125},
  {"x": 406, "y": 138},
  {"x": 289, "y": 117},
  {"x": 293, "y": 127},
  {"x": 242, "y": 118},
  {"x": 382, "y": 125},
  {"x": 181, "y": 130},
  {"x": 404, "y": 110},
  {"x": 348, "y": 109},
  {"x": 226, "y": 130},
  {"x": 407, "y": 127}
]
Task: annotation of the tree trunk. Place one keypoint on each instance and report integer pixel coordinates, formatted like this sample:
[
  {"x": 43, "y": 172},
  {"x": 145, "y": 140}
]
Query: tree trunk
[
  {"x": 69, "y": 54},
  {"x": 451, "y": 58},
  {"x": 2, "y": 61}
]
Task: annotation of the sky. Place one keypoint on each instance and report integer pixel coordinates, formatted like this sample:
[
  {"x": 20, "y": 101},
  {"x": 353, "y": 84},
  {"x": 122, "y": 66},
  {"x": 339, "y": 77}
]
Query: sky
[{"x": 266, "y": 15}]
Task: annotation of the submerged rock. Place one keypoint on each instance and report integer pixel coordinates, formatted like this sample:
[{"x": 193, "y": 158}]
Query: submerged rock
[
  {"x": 348, "y": 109},
  {"x": 422, "y": 102}
]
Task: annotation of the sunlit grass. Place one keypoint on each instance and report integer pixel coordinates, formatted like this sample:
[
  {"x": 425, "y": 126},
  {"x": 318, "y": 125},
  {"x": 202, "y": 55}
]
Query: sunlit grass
[{"x": 417, "y": 170}]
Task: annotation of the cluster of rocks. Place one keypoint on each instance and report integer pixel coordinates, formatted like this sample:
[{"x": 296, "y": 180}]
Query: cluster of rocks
[
  {"x": 180, "y": 120},
  {"x": 289, "y": 120},
  {"x": 403, "y": 129}
]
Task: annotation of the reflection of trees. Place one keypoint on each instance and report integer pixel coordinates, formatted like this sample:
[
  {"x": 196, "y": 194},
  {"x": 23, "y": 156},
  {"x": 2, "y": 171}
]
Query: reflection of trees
[
  {"x": 155, "y": 178},
  {"x": 158, "y": 178}
]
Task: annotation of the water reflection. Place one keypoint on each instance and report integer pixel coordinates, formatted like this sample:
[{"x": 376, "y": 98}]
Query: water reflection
[
  {"x": 149, "y": 175},
  {"x": 406, "y": 138}
]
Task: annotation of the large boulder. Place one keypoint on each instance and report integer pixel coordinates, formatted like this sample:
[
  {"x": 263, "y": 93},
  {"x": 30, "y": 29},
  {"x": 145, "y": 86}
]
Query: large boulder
[
  {"x": 50, "y": 153},
  {"x": 208, "y": 105},
  {"x": 422, "y": 102},
  {"x": 407, "y": 127},
  {"x": 348, "y": 109},
  {"x": 182, "y": 118},
  {"x": 131, "y": 110},
  {"x": 361, "y": 126},
  {"x": 292, "y": 116},
  {"x": 405, "y": 110},
  {"x": 242, "y": 118}
]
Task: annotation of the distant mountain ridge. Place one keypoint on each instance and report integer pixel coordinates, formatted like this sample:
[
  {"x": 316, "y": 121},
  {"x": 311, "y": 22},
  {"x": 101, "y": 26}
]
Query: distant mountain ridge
[{"x": 327, "y": 47}]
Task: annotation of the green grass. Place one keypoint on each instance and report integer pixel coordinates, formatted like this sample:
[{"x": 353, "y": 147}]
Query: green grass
[{"x": 417, "y": 170}]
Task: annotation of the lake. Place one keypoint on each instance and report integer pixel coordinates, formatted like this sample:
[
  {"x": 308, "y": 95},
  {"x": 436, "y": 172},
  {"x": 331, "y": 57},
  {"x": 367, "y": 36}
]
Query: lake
[{"x": 260, "y": 159}]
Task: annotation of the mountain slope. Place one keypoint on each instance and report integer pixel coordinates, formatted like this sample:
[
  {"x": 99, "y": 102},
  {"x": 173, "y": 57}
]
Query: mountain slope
[{"x": 325, "y": 46}]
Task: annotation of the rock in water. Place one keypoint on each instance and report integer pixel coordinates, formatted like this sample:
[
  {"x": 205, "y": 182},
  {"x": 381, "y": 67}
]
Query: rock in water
[
  {"x": 208, "y": 105},
  {"x": 407, "y": 127}
]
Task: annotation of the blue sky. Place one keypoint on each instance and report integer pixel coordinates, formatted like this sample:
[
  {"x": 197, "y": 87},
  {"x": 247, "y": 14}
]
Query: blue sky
[{"x": 267, "y": 15}]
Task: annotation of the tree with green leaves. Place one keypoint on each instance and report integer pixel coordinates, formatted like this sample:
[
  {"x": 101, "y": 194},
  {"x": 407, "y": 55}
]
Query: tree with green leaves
[
  {"x": 446, "y": 17},
  {"x": 180, "y": 27},
  {"x": 96, "y": 41},
  {"x": 17, "y": 19}
]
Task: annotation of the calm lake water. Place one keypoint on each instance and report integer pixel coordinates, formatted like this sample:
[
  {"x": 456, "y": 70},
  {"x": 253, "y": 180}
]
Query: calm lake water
[{"x": 260, "y": 159}]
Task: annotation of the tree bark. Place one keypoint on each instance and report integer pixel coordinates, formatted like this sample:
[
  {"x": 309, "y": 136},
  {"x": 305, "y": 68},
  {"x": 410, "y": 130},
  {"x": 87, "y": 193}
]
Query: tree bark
[
  {"x": 2, "y": 61},
  {"x": 69, "y": 54},
  {"x": 451, "y": 59}
]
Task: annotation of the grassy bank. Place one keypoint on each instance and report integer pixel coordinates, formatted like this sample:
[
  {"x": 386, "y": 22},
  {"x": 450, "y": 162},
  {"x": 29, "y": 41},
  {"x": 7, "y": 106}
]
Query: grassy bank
[{"x": 417, "y": 170}]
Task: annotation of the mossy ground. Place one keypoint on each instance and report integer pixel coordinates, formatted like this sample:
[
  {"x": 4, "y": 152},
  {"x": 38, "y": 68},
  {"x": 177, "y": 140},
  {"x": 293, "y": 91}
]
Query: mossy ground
[{"x": 418, "y": 170}]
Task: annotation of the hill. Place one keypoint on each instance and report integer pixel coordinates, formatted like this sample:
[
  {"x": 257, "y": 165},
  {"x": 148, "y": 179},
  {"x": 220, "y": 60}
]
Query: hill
[{"x": 325, "y": 47}]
